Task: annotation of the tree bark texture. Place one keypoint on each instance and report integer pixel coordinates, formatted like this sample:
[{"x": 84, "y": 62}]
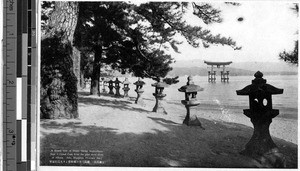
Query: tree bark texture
[
  {"x": 61, "y": 84},
  {"x": 64, "y": 19}
]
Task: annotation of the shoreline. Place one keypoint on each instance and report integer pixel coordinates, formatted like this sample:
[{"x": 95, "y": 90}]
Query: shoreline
[
  {"x": 284, "y": 112},
  {"x": 281, "y": 127}
]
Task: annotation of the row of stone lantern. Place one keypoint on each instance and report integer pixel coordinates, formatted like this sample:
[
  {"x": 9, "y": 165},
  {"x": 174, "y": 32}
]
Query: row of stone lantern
[
  {"x": 159, "y": 95},
  {"x": 115, "y": 85},
  {"x": 159, "y": 87},
  {"x": 260, "y": 113}
]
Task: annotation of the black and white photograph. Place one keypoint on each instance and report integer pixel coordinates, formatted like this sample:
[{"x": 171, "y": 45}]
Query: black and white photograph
[{"x": 168, "y": 84}]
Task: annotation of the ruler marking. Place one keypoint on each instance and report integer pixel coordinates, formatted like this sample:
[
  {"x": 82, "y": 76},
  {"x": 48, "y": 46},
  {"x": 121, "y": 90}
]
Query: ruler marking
[{"x": 10, "y": 23}]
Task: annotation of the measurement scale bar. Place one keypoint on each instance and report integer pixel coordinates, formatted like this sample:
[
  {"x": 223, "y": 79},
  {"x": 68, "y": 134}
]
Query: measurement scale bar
[
  {"x": 19, "y": 89},
  {"x": 9, "y": 89}
]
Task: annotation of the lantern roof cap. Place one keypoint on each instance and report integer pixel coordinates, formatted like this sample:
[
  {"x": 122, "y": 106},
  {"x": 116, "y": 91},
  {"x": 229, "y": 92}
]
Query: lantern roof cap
[
  {"x": 259, "y": 85},
  {"x": 159, "y": 84},
  {"x": 190, "y": 86},
  {"x": 126, "y": 81},
  {"x": 117, "y": 81},
  {"x": 139, "y": 82}
]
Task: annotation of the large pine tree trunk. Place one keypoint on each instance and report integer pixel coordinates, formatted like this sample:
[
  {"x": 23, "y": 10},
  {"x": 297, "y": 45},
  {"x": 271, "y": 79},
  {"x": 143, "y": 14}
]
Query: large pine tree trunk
[
  {"x": 64, "y": 19},
  {"x": 76, "y": 65},
  {"x": 96, "y": 71},
  {"x": 59, "y": 87}
]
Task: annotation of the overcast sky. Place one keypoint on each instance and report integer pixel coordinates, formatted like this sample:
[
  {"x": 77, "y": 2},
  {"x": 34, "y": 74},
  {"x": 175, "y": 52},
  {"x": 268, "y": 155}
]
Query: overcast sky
[{"x": 267, "y": 29}]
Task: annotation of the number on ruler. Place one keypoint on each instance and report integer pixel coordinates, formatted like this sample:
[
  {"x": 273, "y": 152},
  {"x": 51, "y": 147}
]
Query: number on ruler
[
  {"x": 11, "y": 5},
  {"x": 10, "y": 82},
  {"x": 13, "y": 140}
]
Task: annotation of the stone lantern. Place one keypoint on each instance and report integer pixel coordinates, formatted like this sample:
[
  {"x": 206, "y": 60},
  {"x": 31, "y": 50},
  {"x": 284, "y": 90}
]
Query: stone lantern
[
  {"x": 126, "y": 87},
  {"x": 105, "y": 81},
  {"x": 261, "y": 113},
  {"x": 159, "y": 88},
  {"x": 139, "y": 90},
  {"x": 117, "y": 87},
  {"x": 100, "y": 82},
  {"x": 111, "y": 86},
  {"x": 190, "y": 90}
]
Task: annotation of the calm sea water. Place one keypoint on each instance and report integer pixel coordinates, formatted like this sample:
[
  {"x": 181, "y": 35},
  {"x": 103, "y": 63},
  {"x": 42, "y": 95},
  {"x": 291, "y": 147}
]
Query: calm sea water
[{"x": 225, "y": 93}]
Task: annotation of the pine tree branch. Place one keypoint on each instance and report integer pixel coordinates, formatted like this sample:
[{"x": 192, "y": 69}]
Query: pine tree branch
[
  {"x": 198, "y": 8},
  {"x": 141, "y": 53}
]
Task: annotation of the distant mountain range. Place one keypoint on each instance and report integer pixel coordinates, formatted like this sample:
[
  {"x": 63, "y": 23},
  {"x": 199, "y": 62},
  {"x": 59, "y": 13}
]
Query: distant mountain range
[{"x": 198, "y": 67}]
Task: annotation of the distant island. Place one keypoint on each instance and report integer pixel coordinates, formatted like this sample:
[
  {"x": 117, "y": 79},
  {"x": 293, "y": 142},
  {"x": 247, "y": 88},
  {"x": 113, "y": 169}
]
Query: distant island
[{"x": 198, "y": 67}]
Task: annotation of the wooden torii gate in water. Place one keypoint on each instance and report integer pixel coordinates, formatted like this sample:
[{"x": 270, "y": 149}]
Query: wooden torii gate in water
[{"x": 212, "y": 72}]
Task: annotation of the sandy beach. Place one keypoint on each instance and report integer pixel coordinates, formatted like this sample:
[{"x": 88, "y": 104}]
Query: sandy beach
[{"x": 131, "y": 135}]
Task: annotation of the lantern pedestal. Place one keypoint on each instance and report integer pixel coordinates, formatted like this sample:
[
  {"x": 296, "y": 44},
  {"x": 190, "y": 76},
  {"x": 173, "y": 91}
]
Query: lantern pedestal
[
  {"x": 159, "y": 95},
  {"x": 261, "y": 146},
  {"x": 105, "y": 81},
  {"x": 117, "y": 87},
  {"x": 126, "y": 89},
  {"x": 159, "y": 103},
  {"x": 103, "y": 89},
  {"x": 111, "y": 87},
  {"x": 139, "y": 90},
  {"x": 111, "y": 90},
  {"x": 117, "y": 91},
  {"x": 139, "y": 100},
  {"x": 191, "y": 119}
]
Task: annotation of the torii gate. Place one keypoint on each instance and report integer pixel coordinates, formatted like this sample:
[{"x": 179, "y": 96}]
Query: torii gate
[{"x": 212, "y": 73}]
